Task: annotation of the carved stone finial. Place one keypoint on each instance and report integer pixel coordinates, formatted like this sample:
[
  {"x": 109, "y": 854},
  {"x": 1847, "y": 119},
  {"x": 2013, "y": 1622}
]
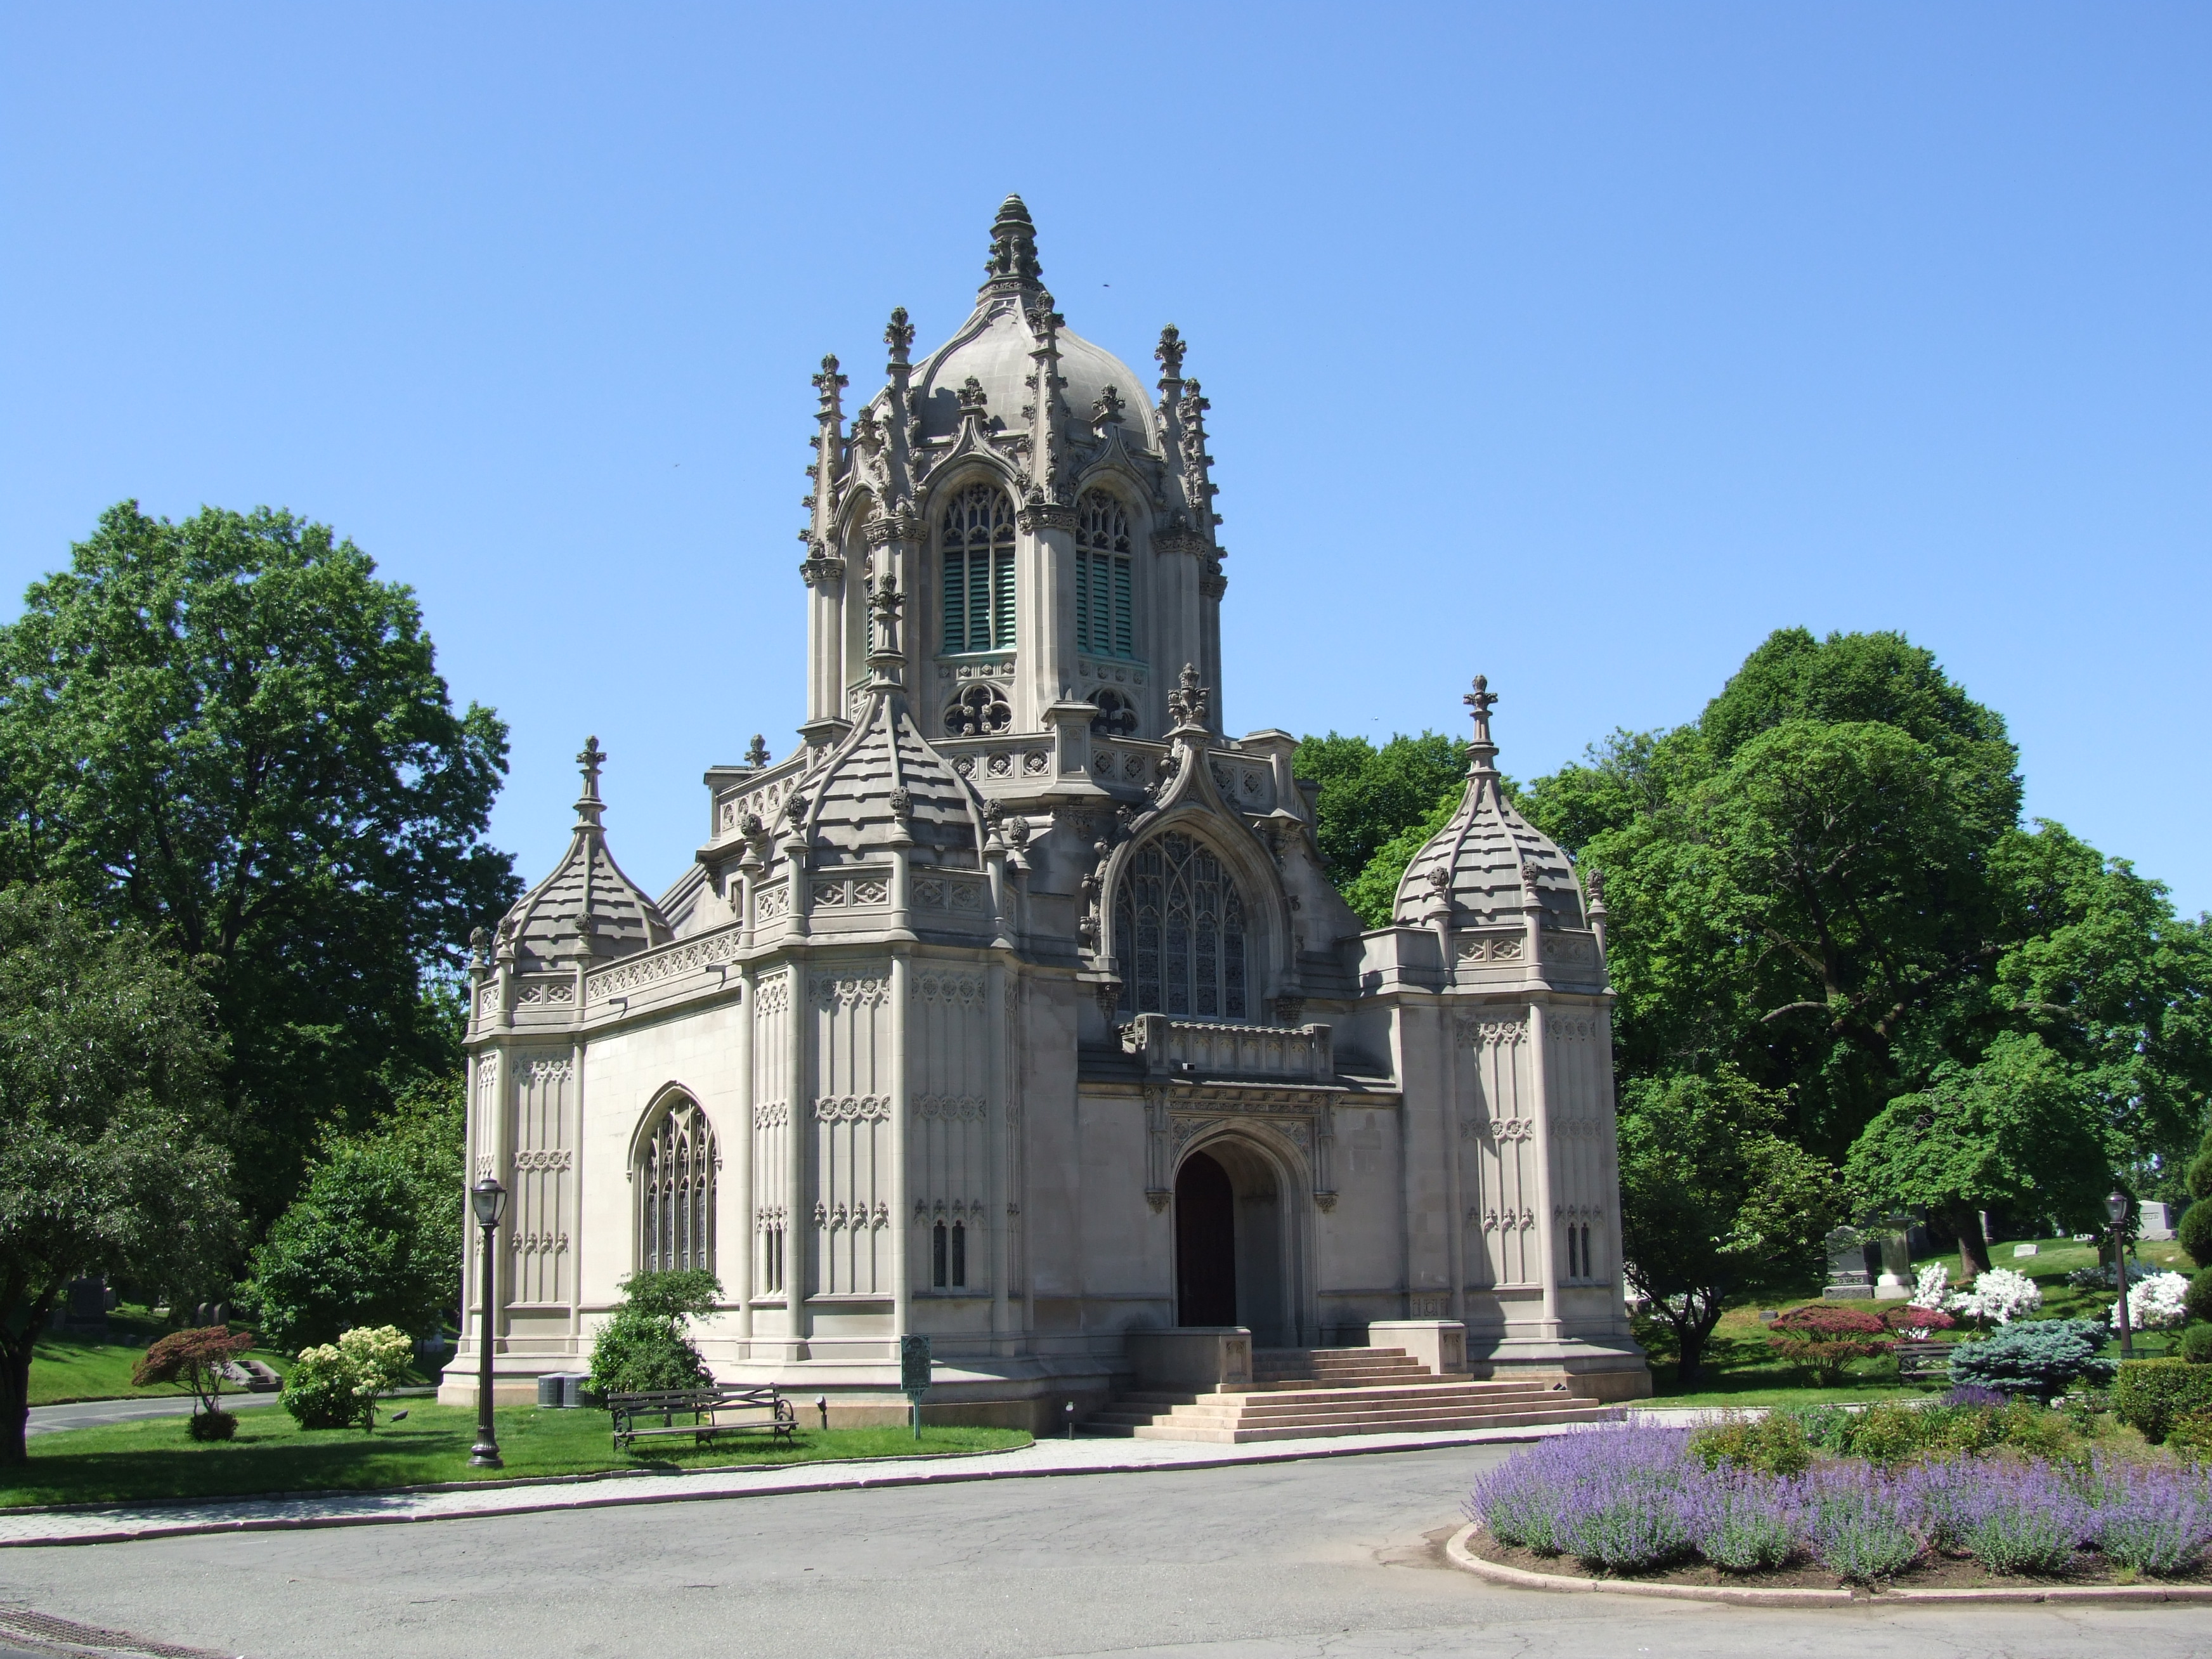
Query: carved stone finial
[
  {"x": 1187, "y": 702},
  {"x": 1594, "y": 879},
  {"x": 1107, "y": 411},
  {"x": 830, "y": 383},
  {"x": 1482, "y": 750},
  {"x": 1169, "y": 352},
  {"x": 902, "y": 805},
  {"x": 1016, "y": 830},
  {"x": 794, "y": 809},
  {"x": 899, "y": 337},
  {"x": 480, "y": 948},
  {"x": 1012, "y": 267},
  {"x": 588, "y": 805},
  {"x": 973, "y": 400},
  {"x": 757, "y": 756}
]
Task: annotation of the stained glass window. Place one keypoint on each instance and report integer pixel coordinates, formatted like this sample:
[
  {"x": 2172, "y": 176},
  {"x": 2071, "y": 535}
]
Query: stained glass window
[
  {"x": 676, "y": 1192},
  {"x": 1179, "y": 933}
]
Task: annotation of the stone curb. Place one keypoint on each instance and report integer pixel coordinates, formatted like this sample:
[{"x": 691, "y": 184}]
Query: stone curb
[
  {"x": 1456, "y": 1552},
  {"x": 615, "y": 1500}
]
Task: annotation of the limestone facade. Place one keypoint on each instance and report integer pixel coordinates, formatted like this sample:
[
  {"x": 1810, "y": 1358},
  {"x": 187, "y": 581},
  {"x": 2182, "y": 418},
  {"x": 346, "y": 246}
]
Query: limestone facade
[{"x": 1013, "y": 1006}]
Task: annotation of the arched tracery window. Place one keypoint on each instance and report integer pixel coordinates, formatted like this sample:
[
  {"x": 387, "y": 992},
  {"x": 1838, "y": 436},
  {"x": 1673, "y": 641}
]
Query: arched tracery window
[
  {"x": 1105, "y": 600},
  {"x": 976, "y": 541},
  {"x": 675, "y": 1176},
  {"x": 1179, "y": 933}
]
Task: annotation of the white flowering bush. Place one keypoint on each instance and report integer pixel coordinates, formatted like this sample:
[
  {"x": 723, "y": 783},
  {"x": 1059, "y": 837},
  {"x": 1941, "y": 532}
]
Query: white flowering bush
[
  {"x": 2154, "y": 1303},
  {"x": 2000, "y": 1294},
  {"x": 1929, "y": 1289},
  {"x": 337, "y": 1385}
]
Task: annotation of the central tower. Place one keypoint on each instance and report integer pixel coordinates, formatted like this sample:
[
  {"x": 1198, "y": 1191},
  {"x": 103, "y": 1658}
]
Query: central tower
[{"x": 1052, "y": 524}]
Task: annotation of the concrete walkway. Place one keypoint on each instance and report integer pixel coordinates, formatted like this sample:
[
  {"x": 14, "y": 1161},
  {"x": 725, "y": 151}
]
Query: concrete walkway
[{"x": 171, "y": 1519}]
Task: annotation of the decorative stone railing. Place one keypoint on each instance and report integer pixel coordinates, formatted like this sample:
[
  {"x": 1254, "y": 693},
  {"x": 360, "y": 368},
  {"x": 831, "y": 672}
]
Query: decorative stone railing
[
  {"x": 1002, "y": 760},
  {"x": 691, "y": 956},
  {"x": 761, "y": 795},
  {"x": 1201, "y": 1051}
]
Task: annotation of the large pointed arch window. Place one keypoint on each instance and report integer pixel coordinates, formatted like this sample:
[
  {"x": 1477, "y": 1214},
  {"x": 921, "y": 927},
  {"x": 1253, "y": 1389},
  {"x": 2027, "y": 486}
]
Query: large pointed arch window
[
  {"x": 1179, "y": 933},
  {"x": 675, "y": 1177},
  {"x": 976, "y": 543},
  {"x": 1105, "y": 597}
]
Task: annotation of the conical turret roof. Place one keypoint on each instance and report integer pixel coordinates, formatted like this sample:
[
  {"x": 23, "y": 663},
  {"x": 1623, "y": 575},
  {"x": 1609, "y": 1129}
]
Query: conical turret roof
[
  {"x": 1489, "y": 861},
  {"x": 587, "y": 909}
]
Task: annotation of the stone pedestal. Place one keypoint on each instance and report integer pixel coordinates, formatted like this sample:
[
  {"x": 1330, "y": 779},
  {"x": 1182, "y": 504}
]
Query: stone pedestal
[
  {"x": 1439, "y": 1344},
  {"x": 1194, "y": 1359}
]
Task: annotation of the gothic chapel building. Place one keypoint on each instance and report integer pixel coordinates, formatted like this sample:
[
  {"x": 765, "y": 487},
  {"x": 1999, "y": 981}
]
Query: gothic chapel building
[{"x": 1013, "y": 1006}]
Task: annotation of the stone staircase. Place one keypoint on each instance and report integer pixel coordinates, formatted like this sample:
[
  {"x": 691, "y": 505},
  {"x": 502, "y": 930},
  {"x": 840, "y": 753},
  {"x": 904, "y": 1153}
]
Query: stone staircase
[{"x": 1298, "y": 1393}]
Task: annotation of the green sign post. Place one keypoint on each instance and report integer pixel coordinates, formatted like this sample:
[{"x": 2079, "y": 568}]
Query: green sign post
[{"x": 913, "y": 1374}]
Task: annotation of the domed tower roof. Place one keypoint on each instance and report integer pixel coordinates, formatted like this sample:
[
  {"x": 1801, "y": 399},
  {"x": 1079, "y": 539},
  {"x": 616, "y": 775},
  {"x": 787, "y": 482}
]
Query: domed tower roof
[
  {"x": 993, "y": 349},
  {"x": 884, "y": 784},
  {"x": 1488, "y": 861},
  {"x": 587, "y": 909}
]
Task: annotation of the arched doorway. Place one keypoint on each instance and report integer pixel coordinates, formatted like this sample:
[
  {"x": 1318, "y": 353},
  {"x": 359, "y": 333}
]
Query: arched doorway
[
  {"x": 1233, "y": 1251},
  {"x": 1205, "y": 1244}
]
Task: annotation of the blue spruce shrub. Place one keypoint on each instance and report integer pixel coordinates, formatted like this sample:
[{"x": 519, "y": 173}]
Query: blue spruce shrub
[{"x": 2037, "y": 1357}]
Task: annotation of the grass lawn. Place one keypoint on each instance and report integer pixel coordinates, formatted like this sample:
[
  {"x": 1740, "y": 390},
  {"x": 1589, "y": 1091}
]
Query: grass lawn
[
  {"x": 155, "y": 1458},
  {"x": 64, "y": 1368}
]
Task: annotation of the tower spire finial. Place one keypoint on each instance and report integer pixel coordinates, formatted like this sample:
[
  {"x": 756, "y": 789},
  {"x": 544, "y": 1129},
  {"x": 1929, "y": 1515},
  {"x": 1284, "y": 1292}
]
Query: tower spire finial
[
  {"x": 1482, "y": 751},
  {"x": 592, "y": 758},
  {"x": 1012, "y": 267}
]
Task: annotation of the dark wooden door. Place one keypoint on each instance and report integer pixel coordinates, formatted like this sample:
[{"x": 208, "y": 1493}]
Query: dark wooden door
[{"x": 1206, "y": 1244}]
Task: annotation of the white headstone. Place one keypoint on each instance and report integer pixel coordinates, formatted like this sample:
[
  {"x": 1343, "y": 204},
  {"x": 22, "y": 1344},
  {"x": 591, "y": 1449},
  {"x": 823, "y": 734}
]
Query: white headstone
[
  {"x": 2157, "y": 1221},
  {"x": 2027, "y": 1249}
]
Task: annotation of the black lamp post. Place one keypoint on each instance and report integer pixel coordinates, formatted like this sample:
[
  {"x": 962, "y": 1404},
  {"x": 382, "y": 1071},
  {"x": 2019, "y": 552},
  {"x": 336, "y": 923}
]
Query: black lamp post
[
  {"x": 2117, "y": 1207},
  {"x": 488, "y": 1200}
]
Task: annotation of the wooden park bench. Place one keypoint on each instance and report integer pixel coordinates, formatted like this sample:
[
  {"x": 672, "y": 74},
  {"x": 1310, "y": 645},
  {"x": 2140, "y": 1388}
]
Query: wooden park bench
[{"x": 702, "y": 1413}]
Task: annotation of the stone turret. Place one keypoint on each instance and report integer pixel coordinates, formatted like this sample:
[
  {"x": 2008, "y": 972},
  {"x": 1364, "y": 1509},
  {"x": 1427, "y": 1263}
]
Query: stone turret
[{"x": 588, "y": 910}]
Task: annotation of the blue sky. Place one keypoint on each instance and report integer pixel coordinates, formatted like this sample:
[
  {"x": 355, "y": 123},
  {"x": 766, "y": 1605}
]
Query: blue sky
[{"x": 1579, "y": 344}]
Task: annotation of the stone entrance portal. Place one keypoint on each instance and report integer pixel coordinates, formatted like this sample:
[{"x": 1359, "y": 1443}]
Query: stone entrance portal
[{"x": 1205, "y": 1244}]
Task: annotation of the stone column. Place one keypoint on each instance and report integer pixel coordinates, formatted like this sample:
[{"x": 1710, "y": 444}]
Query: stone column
[
  {"x": 1547, "y": 1250},
  {"x": 1044, "y": 608}
]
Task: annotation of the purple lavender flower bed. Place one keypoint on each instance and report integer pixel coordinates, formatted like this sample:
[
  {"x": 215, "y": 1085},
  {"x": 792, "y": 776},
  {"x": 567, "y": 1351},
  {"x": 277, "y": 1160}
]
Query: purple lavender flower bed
[{"x": 1636, "y": 1499}]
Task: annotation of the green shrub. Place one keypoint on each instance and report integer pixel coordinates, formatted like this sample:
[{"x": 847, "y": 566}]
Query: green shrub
[
  {"x": 2190, "y": 1437},
  {"x": 1888, "y": 1434},
  {"x": 643, "y": 1347},
  {"x": 2196, "y": 1340},
  {"x": 2038, "y": 1357},
  {"x": 1773, "y": 1444},
  {"x": 2038, "y": 1432},
  {"x": 2152, "y": 1396},
  {"x": 211, "y": 1425},
  {"x": 1827, "y": 1427},
  {"x": 1962, "y": 1429},
  {"x": 2196, "y": 1233},
  {"x": 2196, "y": 1300}
]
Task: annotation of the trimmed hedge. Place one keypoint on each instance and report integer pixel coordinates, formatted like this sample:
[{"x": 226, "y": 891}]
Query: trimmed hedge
[
  {"x": 2154, "y": 1394},
  {"x": 2196, "y": 1232},
  {"x": 2197, "y": 1298}
]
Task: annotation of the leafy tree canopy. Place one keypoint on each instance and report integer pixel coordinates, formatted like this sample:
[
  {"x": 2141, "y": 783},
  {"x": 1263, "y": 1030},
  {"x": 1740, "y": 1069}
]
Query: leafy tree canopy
[
  {"x": 1368, "y": 795},
  {"x": 2021, "y": 1130},
  {"x": 109, "y": 1160},
  {"x": 230, "y": 733},
  {"x": 375, "y": 1238},
  {"x": 1715, "y": 1202}
]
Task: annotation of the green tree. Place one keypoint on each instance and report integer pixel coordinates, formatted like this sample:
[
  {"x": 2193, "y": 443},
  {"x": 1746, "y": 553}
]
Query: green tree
[
  {"x": 643, "y": 1347},
  {"x": 1715, "y": 1203},
  {"x": 375, "y": 1238},
  {"x": 230, "y": 733},
  {"x": 1373, "y": 893},
  {"x": 1368, "y": 795},
  {"x": 109, "y": 1161},
  {"x": 2021, "y": 1131}
]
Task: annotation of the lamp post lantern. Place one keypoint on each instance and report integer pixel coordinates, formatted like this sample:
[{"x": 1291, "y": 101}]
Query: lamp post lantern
[
  {"x": 488, "y": 1200},
  {"x": 2117, "y": 1207}
]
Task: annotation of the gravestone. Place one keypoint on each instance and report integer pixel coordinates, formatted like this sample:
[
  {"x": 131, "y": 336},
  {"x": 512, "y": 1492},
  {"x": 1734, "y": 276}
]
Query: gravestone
[
  {"x": 88, "y": 1305},
  {"x": 2019, "y": 1250},
  {"x": 1848, "y": 1279},
  {"x": 2157, "y": 1221},
  {"x": 1896, "y": 1281}
]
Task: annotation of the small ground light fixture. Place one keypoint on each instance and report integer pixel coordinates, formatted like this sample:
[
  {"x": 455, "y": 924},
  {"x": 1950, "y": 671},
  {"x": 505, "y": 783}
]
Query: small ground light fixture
[
  {"x": 822, "y": 1405},
  {"x": 1071, "y": 1420}
]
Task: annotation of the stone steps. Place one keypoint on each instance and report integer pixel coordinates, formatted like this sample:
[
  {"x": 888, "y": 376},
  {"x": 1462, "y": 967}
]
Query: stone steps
[{"x": 1339, "y": 1391}]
